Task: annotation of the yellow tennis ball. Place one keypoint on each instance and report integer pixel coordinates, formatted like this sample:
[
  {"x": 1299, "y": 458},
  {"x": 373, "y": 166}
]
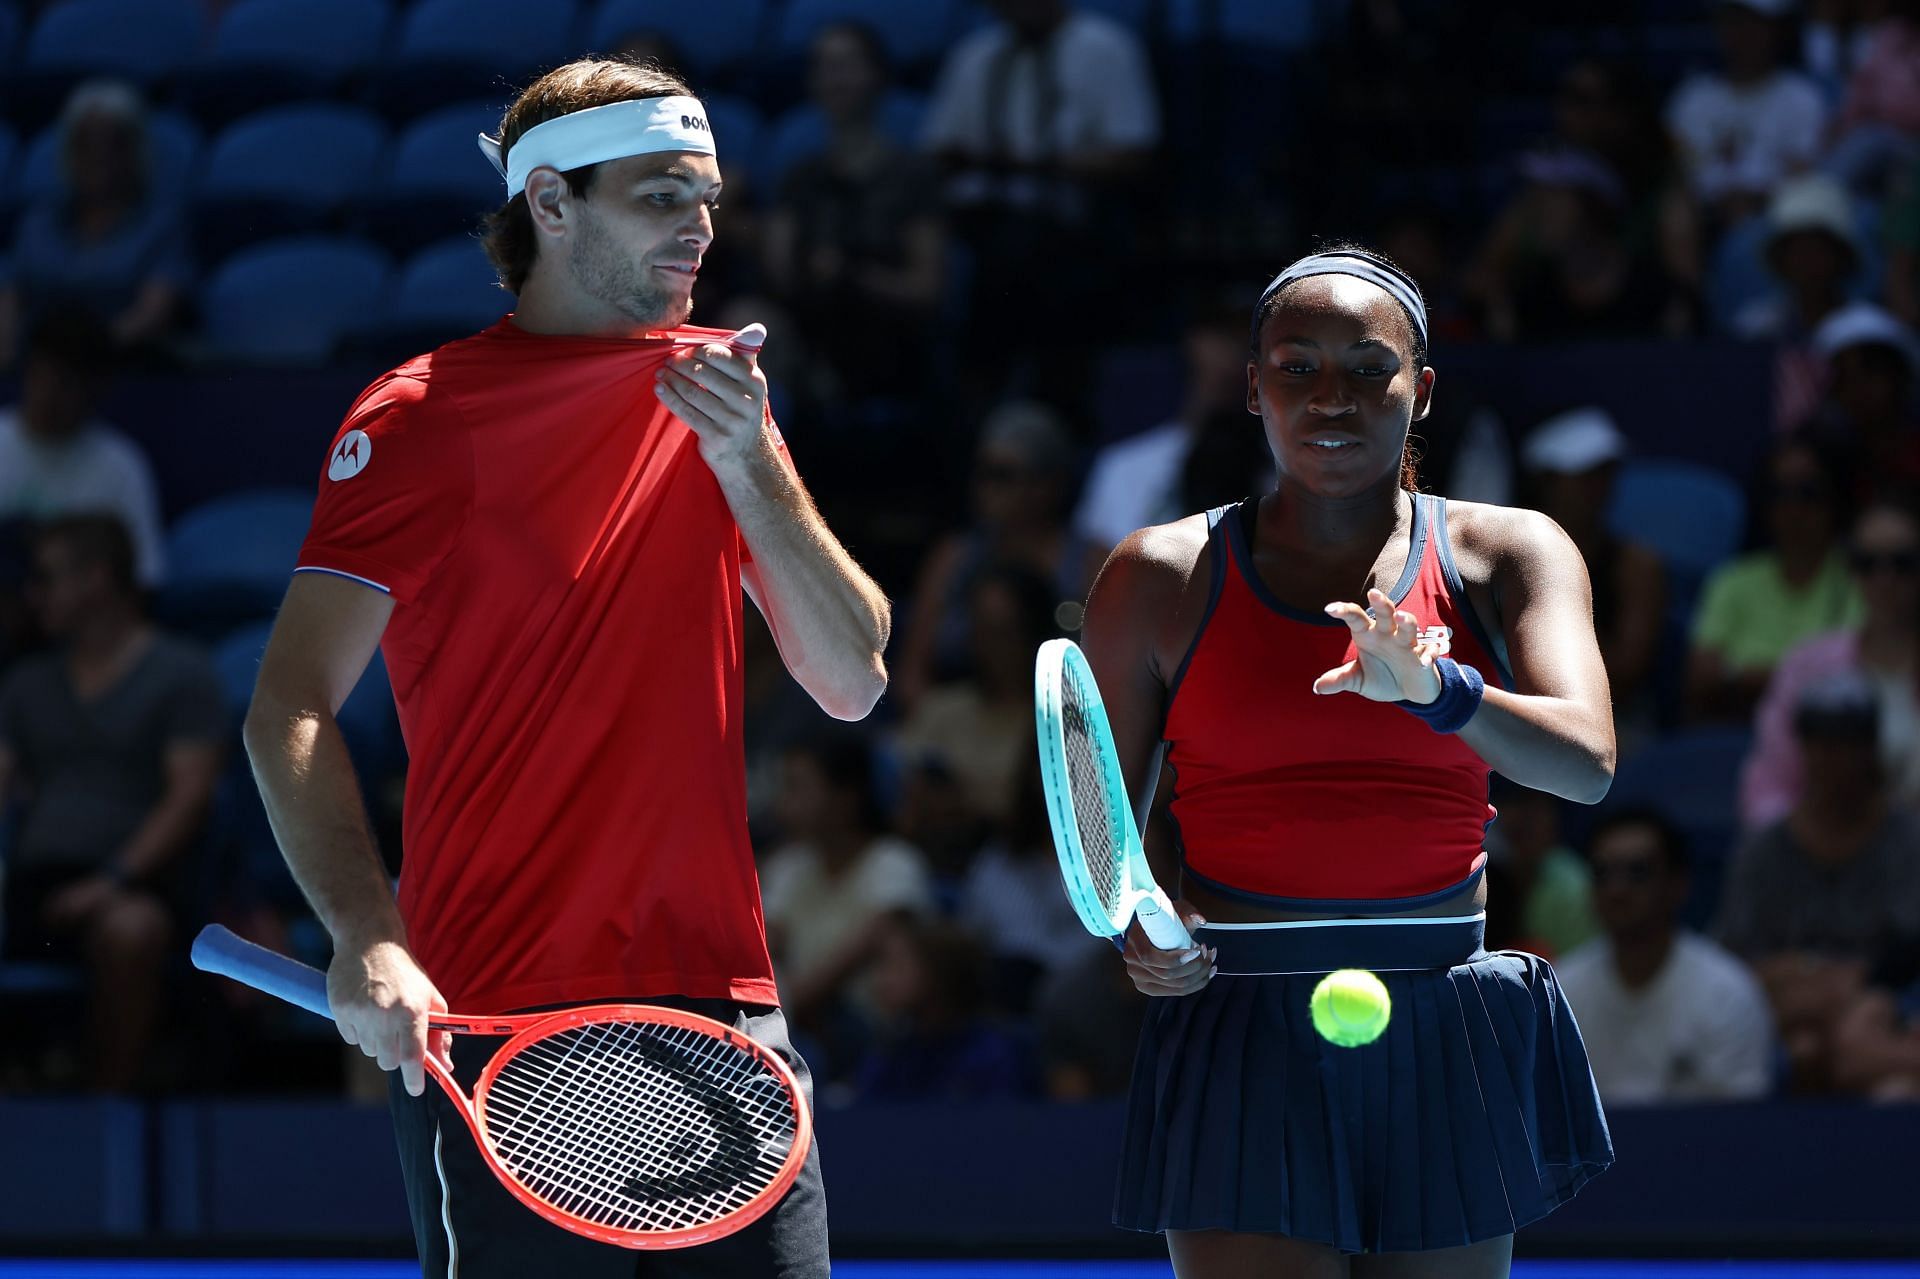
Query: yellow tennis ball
[{"x": 1350, "y": 1007}]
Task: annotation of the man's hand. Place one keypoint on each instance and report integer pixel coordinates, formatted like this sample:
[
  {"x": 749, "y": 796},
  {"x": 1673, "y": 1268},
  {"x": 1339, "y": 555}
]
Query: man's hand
[
  {"x": 79, "y": 901},
  {"x": 1168, "y": 972},
  {"x": 380, "y": 1001},
  {"x": 1390, "y": 663},
  {"x": 719, "y": 391}
]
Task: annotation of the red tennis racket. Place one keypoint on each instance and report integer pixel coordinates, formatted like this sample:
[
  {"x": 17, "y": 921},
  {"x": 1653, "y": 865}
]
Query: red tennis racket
[{"x": 634, "y": 1125}]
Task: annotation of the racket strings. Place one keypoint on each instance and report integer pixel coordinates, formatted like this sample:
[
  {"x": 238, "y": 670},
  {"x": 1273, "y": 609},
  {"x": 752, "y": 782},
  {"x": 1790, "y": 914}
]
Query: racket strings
[
  {"x": 615, "y": 1171},
  {"x": 1099, "y": 843},
  {"x": 640, "y": 1127}
]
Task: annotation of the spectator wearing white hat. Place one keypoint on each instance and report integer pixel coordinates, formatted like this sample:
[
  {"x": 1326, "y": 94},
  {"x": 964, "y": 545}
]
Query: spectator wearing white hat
[
  {"x": 1744, "y": 128},
  {"x": 1814, "y": 249},
  {"x": 1756, "y": 608},
  {"x": 1872, "y": 364},
  {"x": 1570, "y": 461}
]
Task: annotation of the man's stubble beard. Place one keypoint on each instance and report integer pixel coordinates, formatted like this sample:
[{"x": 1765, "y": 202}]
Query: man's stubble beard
[{"x": 603, "y": 271}]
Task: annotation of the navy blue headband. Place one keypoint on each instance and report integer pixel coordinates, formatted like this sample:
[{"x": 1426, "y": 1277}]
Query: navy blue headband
[{"x": 1398, "y": 286}]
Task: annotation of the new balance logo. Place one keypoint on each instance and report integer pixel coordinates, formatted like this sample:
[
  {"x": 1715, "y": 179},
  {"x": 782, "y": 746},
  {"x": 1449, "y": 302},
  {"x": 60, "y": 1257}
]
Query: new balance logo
[{"x": 1438, "y": 638}]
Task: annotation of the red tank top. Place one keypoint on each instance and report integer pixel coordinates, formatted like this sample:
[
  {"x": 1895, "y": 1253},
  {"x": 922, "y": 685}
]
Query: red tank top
[{"x": 1302, "y": 800}]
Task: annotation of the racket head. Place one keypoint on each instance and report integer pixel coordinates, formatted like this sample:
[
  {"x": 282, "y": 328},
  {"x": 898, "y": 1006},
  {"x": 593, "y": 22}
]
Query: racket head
[
  {"x": 682, "y": 1129},
  {"x": 1093, "y": 832}
]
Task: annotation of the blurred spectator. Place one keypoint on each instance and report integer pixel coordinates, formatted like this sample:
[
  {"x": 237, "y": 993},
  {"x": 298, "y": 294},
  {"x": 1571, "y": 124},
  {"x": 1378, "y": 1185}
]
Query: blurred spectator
[
  {"x": 1022, "y": 482},
  {"x": 1211, "y": 453},
  {"x": 1878, "y": 129},
  {"x": 116, "y": 740},
  {"x": 1039, "y": 121},
  {"x": 105, "y": 240},
  {"x": 1571, "y": 460},
  {"x": 1813, "y": 249},
  {"x": 934, "y": 1039},
  {"x": 777, "y": 716},
  {"x": 1744, "y": 128},
  {"x": 1012, "y": 898},
  {"x": 1902, "y": 226},
  {"x": 57, "y": 458},
  {"x": 1759, "y": 606},
  {"x": 1560, "y": 266},
  {"x": 1885, "y": 561},
  {"x": 1827, "y": 901},
  {"x": 980, "y": 728},
  {"x": 829, "y": 888},
  {"x": 1088, "y": 1017},
  {"x": 1540, "y": 896},
  {"x": 1667, "y": 1015},
  {"x": 1876, "y": 1049},
  {"x": 855, "y": 247},
  {"x": 1872, "y": 366}
]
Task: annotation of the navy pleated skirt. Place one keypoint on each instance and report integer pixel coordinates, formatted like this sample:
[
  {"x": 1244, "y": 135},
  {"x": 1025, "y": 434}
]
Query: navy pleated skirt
[{"x": 1474, "y": 1114}]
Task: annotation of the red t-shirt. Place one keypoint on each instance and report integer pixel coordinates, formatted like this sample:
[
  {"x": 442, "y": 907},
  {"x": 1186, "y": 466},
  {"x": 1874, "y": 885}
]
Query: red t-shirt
[{"x": 565, "y": 652}]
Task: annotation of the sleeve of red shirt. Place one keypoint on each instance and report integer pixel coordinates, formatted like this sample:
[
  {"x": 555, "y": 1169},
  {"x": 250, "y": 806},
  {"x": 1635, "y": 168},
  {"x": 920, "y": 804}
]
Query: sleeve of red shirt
[{"x": 395, "y": 490}]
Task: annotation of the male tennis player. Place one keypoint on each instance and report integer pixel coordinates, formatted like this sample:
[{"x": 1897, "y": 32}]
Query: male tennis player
[{"x": 547, "y": 527}]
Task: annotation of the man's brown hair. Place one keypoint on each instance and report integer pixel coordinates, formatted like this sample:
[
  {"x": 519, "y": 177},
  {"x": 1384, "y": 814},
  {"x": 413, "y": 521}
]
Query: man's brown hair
[{"x": 577, "y": 86}]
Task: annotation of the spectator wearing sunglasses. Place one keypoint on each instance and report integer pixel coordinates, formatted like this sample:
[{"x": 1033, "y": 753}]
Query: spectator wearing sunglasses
[
  {"x": 1757, "y": 608},
  {"x": 1884, "y": 559},
  {"x": 1667, "y": 1014}
]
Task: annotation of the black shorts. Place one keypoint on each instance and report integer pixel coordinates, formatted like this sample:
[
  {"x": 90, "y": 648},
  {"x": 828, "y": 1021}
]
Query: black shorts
[{"x": 466, "y": 1224}]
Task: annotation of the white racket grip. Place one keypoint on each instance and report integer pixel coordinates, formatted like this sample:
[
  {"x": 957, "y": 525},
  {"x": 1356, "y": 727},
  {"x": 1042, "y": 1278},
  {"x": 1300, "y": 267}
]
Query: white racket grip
[{"x": 1161, "y": 923}]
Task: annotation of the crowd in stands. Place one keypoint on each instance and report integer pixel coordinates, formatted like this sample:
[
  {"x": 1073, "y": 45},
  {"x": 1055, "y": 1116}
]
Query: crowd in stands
[{"x": 962, "y": 224}]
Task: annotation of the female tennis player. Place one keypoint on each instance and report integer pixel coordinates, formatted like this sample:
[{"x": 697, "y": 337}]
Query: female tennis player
[{"x": 1334, "y": 668}]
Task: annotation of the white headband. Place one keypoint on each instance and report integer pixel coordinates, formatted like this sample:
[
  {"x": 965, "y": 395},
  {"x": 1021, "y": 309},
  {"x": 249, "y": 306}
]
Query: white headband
[
  {"x": 1398, "y": 286},
  {"x": 638, "y": 127}
]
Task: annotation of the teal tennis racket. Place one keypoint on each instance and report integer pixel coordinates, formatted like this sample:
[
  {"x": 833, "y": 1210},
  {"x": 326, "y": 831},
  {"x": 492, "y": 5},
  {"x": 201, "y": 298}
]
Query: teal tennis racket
[{"x": 1101, "y": 857}]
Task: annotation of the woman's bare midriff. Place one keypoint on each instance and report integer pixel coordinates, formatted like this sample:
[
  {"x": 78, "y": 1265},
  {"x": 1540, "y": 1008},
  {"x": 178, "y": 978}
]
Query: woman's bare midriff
[{"x": 1223, "y": 910}]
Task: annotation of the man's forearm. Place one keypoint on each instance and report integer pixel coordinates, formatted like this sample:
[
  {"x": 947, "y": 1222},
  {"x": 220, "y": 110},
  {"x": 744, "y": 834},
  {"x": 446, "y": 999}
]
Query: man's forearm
[
  {"x": 831, "y": 620},
  {"x": 319, "y": 818}
]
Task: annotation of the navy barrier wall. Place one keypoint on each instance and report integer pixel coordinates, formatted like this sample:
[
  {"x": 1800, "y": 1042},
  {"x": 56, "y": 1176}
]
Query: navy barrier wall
[{"x": 901, "y": 1180}]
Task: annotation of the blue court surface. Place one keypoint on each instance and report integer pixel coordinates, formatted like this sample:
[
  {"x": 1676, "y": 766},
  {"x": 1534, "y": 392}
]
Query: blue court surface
[{"x": 228, "y": 1269}]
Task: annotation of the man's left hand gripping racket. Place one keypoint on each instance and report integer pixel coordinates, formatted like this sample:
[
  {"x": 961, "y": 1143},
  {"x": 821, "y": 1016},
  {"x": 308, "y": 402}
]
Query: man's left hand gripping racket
[
  {"x": 1101, "y": 857},
  {"x": 634, "y": 1125}
]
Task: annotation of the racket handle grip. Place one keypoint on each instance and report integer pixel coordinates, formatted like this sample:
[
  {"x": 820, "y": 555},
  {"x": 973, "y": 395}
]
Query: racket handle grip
[
  {"x": 1162, "y": 923},
  {"x": 218, "y": 950}
]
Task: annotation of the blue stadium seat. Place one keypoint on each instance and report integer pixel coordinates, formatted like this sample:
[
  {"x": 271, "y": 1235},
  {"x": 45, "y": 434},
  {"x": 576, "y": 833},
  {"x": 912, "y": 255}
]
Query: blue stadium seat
[
  {"x": 448, "y": 50},
  {"x": 802, "y": 132},
  {"x": 229, "y": 559},
  {"x": 446, "y": 291},
  {"x": 292, "y": 300},
  {"x": 175, "y": 141},
  {"x": 1693, "y": 516},
  {"x": 1692, "y": 778},
  {"x": 726, "y": 36},
  {"x": 436, "y": 179},
  {"x": 266, "y": 51},
  {"x": 9, "y": 189},
  {"x": 1240, "y": 24},
  {"x": 913, "y": 33},
  {"x": 286, "y": 169},
  {"x": 143, "y": 40},
  {"x": 740, "y": 137}
]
